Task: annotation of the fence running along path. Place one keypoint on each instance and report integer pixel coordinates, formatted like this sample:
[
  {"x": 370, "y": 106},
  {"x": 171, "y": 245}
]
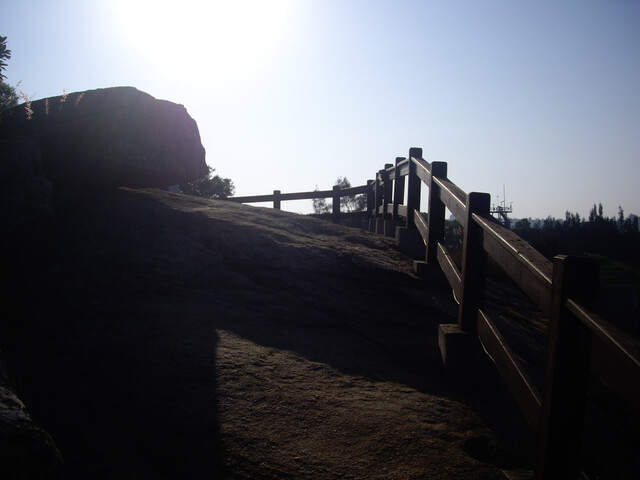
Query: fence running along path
[
  {"x": 335, "y": 194},
  {"x": 579, "y": 340}
]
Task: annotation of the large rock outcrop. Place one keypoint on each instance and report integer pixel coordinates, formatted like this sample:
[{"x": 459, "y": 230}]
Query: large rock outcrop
[
  {"x": 180, "y": 337},
  {"x": 26, "y": 215},
  {"x": 26, "y": 450},
  {"x": 111, "y": 137},
  {"x": 26, "y": 200}
]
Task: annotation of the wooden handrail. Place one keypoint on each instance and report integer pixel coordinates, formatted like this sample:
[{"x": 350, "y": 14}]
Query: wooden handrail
[
  {"x": 450, "y": 271},
  {"x": 252, "y": 199},
  {"x": 301, "y": 195},
  {"x": 453, "y": 197},
  {"x": 573, "y": 327},
  {"x": 527, "y": 267},
  {"x": 423, "y": 169},
  {"x": 618, "y": 358},
  {"x": 401, "y": 210},
  {"x": 521, "y": 386},
  {"x": 335, "y": 194},
  {"x": 402, "y": 168},
  {"x": 421, "y": 224}
]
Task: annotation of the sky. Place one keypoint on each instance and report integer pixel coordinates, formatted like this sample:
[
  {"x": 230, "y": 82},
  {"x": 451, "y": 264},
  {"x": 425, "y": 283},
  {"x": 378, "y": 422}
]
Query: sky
[{"x": 538, "y": 100}]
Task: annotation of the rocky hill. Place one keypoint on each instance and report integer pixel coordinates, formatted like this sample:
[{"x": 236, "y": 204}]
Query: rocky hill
[
  {"x": 167, "y": 336},
  {"x": 150, "y": 335}
]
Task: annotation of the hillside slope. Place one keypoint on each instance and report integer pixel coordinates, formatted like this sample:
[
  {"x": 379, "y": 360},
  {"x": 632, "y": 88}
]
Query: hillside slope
[{"x": 167, "y": 336}]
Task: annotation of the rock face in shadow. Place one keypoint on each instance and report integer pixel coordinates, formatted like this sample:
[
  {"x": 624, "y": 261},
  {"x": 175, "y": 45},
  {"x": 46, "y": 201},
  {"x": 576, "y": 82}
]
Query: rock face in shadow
[
  {"x": 26, "y": 199},
  {"x": 169, "y": 336},
  {"x": 162, "y": 336},
  {"x": 27, "y": 219},
  {"x": 111, "y": 137},
  {"x": 26, "y": 450}
]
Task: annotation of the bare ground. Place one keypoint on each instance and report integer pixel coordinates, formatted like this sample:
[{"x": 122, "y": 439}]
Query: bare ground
[{"x": 176, "y": 337}]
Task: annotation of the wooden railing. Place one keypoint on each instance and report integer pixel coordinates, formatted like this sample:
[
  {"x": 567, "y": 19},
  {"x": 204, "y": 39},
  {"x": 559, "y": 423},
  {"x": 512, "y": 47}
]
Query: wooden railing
[
  {"x": 335, "y": 194},
  {"x": 579, "y": 341}
]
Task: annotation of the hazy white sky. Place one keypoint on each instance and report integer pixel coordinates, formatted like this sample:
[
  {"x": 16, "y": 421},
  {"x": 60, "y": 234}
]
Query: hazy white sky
[{"x": 542, "y": 97}]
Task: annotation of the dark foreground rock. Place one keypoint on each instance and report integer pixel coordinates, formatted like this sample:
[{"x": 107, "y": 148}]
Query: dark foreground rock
[
  {"x": 27, "y": 219},
  {"x": 26, "y": 450},
  {"x": 169, "y": 336},
  {"x": 111, "y": 137},
  {"x": 26, "y": 195}
]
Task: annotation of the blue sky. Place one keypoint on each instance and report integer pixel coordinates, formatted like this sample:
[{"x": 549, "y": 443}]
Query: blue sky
[{"x": 541, "y": 97}]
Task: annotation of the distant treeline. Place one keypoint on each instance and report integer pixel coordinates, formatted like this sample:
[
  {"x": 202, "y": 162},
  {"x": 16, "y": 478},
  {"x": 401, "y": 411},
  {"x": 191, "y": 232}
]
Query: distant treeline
[
  {"x": 617, "y": 237},
  {"x": 615, "y": 241}
]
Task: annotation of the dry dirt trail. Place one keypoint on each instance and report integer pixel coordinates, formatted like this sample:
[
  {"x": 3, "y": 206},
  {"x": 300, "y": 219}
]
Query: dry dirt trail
[{"x": 176, "y": 337}]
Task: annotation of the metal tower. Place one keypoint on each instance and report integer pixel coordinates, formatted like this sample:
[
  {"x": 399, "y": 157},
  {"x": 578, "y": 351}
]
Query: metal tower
[{"x": 502, "y": 210}]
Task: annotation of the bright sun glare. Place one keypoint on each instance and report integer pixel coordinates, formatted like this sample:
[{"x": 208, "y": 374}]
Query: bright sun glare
[{"x": 215, "y": 39}]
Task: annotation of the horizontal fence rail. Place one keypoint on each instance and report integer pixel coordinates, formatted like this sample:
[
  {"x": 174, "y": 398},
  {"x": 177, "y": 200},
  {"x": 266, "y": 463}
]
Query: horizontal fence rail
[
  {"x": 616, "y": 355},
  {"x": 579, "y": 341},
  {"x": 344, "y": 192},
  {"x": 336, "y": 194}
]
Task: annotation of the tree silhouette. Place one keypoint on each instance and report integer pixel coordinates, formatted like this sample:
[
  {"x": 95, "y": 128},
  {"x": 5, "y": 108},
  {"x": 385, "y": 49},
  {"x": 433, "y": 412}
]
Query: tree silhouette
[
  {"x": 349, "y": 203},
  {"x": 320, "y": 204},
  {"x": 617, "y": 237},
  {"x": 210, "y": 186},
  {"x": 8, "y": 96},
  {"x": 5, "y": 54}
]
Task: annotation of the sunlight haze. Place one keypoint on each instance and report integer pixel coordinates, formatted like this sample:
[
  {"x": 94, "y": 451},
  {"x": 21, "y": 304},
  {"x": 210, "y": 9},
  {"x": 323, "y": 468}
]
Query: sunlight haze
[
  {"x": 539, "y": 98},
  {"x": 208, "y": 43}
]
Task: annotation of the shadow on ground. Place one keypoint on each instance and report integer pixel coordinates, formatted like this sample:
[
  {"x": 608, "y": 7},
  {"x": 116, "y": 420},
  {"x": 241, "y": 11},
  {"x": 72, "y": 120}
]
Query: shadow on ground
[{"x": 164, "y": 336}]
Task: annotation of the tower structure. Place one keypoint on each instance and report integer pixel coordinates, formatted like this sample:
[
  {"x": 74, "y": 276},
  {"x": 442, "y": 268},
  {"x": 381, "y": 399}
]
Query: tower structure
[{"x": 502, "y": 210}]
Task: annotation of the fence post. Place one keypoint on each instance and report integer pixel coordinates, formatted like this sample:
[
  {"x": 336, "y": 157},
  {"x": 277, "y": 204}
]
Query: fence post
[
  {"x": 387, "y": 191},
  {"x": 378, "y": 193},
  {"x": 371, "y": 201},
  {"x": 408, "y": 237},
  {"x": 276, "y": 199},
  {"x": 413, "y": 191},
  {"x": 398, "y": 189},
  {"x": 474, "y": 263},
  {"x": 436, "y": 220},
  {"x": 336, "y": 202},
  {"x": 567, "y": 371}
]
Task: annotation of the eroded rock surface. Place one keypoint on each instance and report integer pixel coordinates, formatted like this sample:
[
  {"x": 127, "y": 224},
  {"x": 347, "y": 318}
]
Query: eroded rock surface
[
  {"x": 111, "y": 137},
  {"x": 178, "y": 337},
  {"x": 26, "y": 195},
  {"x": 26, "y": 450}
]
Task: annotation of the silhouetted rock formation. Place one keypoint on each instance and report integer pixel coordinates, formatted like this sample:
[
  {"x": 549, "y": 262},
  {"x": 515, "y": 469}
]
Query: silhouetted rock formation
[
  {"x": 170, "y": 336},
  {"x": 111, "y": 137},
  {"x": 85, "y": 142},
  {"x": 26, "y": 216},
  {"x": 26, "y": 206},
  {"x": 26, "y": 451},
  {"x": 156, "y": 335}
]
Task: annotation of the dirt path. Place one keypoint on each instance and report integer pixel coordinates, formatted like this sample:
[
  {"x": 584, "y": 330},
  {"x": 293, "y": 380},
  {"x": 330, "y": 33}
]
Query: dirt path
[{"x": 283, "y": 416}]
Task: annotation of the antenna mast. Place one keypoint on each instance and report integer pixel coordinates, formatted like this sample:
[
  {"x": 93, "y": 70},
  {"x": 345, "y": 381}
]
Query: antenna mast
[{"x": 502, "y": 210}]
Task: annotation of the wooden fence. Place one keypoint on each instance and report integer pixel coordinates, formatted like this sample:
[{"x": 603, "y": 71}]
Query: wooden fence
[
  {"x": 579, "y": 340},
  {"x": 335, "y": 194}
]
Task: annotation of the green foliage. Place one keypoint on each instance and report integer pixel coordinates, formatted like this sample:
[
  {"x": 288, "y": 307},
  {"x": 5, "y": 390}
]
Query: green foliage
[
  {"x": 8, "y": 97},
  {"x": 453, "y": 237},
  {"x": 523, "y": 224},
  {"x": 5, "y": 54},
  {"x": 210, "y": 186},
  {"x": 617, "y": 238},
  {"x": 349, "y": 203},
  {"x": 320, "y": 204}
]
